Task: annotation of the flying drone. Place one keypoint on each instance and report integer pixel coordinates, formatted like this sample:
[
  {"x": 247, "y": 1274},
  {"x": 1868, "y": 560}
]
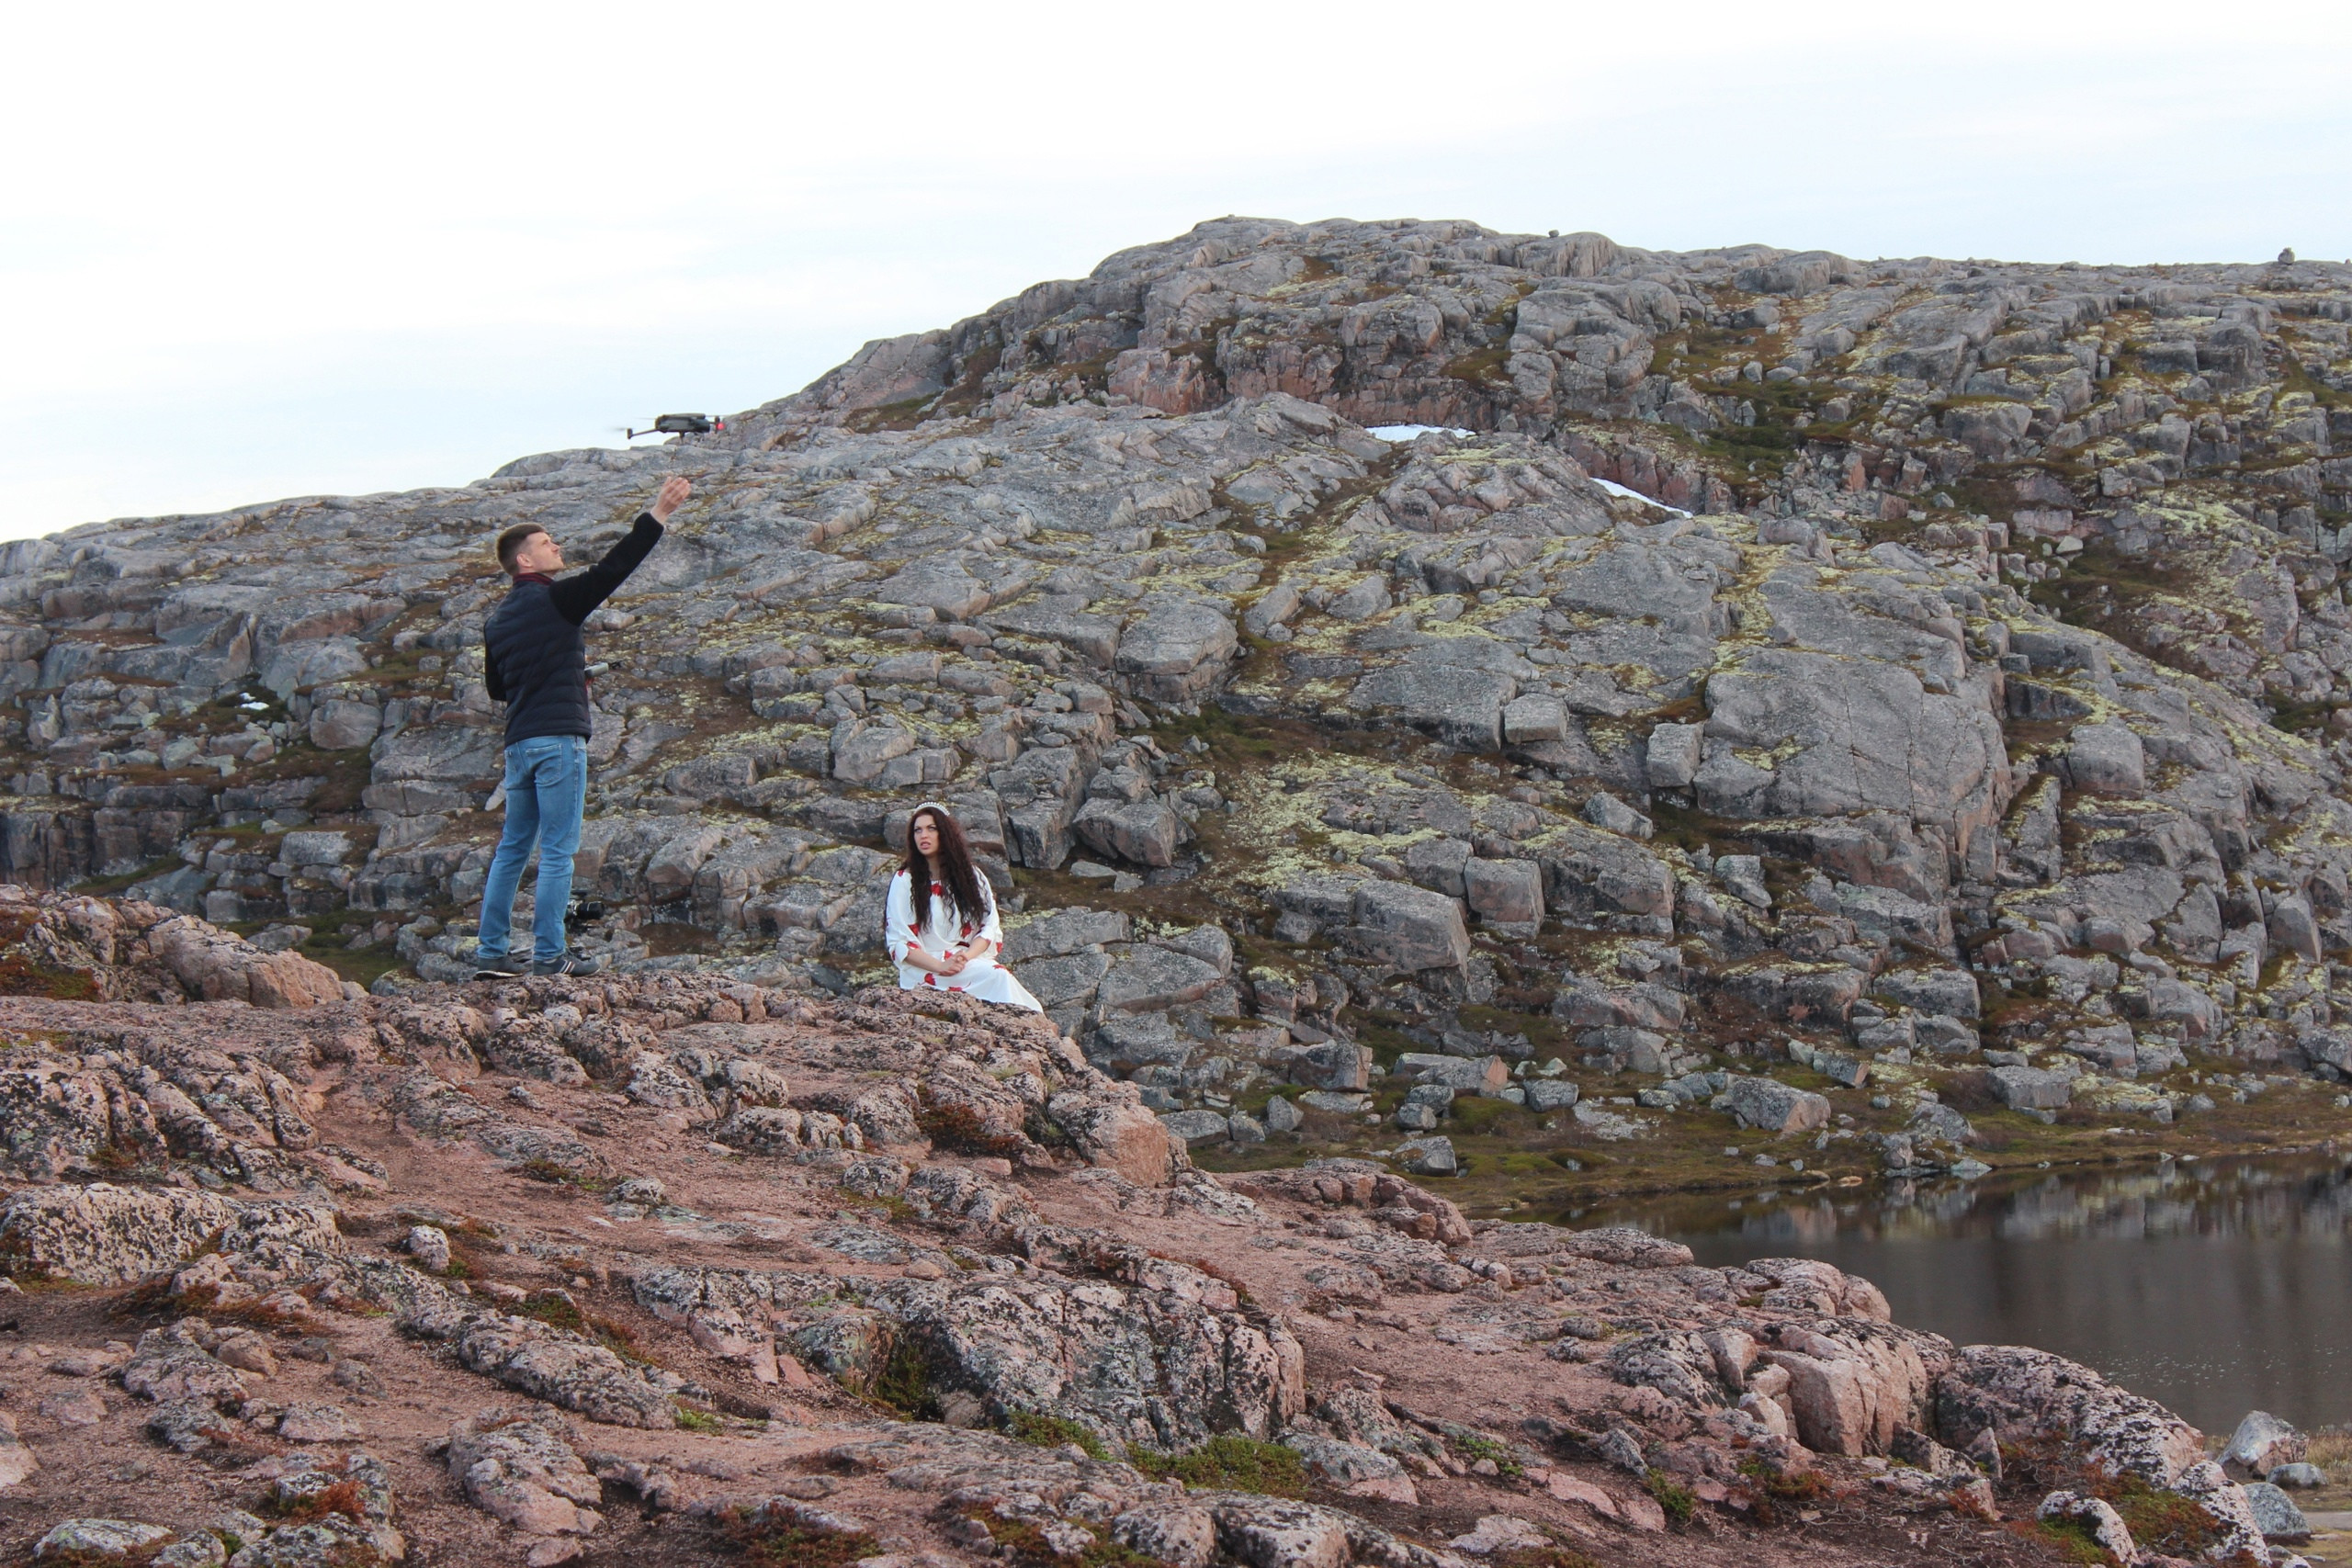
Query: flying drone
[{"x": 681, "y": 424}]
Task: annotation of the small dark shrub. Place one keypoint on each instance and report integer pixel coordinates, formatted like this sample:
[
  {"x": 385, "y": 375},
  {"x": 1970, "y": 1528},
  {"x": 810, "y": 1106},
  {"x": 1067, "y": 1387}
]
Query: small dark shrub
[
  {"x": 958, "y": 1129},
  {"x": 904, "y": 1383},
  {"x": 763, "y": 1540},
  {"x": 1678, "y": 1500}
]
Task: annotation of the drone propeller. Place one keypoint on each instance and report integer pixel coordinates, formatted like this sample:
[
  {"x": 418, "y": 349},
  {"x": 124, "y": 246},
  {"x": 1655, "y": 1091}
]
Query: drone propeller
[{"x": 682, "y": 425}]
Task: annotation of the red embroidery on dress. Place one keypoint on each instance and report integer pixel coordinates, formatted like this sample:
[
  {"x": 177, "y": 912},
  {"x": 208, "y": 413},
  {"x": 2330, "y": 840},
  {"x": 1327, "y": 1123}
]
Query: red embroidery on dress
[
  {"x": 930, "y": 979},
  {"x": 937, "y": 890}
]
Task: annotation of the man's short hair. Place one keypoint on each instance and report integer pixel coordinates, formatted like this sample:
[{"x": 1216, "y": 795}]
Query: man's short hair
[{"x": 511, "y": 541}]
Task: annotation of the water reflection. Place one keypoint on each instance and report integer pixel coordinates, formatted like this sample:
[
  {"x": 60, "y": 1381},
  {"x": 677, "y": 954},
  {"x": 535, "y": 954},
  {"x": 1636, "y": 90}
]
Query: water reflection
[{"x": 2213, "y": 1286}]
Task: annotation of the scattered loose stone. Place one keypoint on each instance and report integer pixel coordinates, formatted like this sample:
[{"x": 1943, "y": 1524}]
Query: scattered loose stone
[
  {"x": 2275, "y": 1513},
  {"x": 429, "y": 1244},
  {"x": 318, "y": 1424},
  {"x": 97, "y": 1541},
  {"x": 79, "y": 1408},
  {"x": 16, "y": 1460},
  {"x": 522, "y": 1470}
]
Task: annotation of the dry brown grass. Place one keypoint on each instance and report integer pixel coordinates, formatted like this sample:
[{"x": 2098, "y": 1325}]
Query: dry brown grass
[
  {"x": 343, "y": 1497},
  {"x": 2331, "y": 1449}
]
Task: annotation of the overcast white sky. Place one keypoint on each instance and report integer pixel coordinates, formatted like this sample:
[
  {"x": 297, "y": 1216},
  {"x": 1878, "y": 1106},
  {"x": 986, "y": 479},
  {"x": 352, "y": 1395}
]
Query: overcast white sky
[{"x": 254, "y": 251}]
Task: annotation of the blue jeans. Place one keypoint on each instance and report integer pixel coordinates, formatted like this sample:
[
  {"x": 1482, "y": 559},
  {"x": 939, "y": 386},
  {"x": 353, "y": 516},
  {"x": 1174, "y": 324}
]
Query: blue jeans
[{"x": 547, "y": 785}]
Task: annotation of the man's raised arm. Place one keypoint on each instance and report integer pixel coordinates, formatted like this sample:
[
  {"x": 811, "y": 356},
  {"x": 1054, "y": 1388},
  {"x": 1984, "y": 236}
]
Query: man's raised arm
[{"x": 575, "y": 597}]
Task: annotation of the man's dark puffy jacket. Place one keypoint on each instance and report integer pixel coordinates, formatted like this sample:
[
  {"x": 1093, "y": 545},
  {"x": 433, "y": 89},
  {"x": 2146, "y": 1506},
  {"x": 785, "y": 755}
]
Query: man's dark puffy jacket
[{"x": 536, "y": 661}]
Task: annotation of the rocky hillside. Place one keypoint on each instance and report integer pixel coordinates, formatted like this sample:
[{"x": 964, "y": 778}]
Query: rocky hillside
[
  {"x": 1892, "y": 708},
  {"x": 671, "y": 1267}
]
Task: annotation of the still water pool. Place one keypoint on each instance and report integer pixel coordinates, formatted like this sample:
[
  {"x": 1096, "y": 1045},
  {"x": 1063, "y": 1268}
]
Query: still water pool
[{"x": 2216, "y": 1287}]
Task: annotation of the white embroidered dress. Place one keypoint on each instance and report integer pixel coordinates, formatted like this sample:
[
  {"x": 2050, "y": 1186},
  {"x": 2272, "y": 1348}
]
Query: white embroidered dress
[{"x": 982, "y": 977}]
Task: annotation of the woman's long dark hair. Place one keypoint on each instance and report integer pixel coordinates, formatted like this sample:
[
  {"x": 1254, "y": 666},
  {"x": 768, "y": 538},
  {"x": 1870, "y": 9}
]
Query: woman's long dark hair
[{"x": 955, "y": 871}]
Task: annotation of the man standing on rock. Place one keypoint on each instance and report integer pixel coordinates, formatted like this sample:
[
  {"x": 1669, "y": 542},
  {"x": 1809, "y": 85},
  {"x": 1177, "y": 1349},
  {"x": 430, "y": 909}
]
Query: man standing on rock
[{"x": 536, "y": 661}]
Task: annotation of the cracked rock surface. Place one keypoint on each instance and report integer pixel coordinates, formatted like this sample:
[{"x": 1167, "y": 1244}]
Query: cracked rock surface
[
  {"x": 966, "y": 1322},
  {"x": 1920, "y": 673}
]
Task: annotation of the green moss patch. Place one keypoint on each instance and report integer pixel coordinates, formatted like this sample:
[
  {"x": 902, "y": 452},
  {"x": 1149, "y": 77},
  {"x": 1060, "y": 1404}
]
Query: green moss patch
[
  {"x": 1053, "y": 1431},
  {"x": 1231, "y": 1463},
  {"x": 904, "y": 1381}
]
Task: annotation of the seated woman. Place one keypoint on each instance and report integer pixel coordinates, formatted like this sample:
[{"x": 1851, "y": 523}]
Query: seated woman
[{"x": 954, "y": 946}]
